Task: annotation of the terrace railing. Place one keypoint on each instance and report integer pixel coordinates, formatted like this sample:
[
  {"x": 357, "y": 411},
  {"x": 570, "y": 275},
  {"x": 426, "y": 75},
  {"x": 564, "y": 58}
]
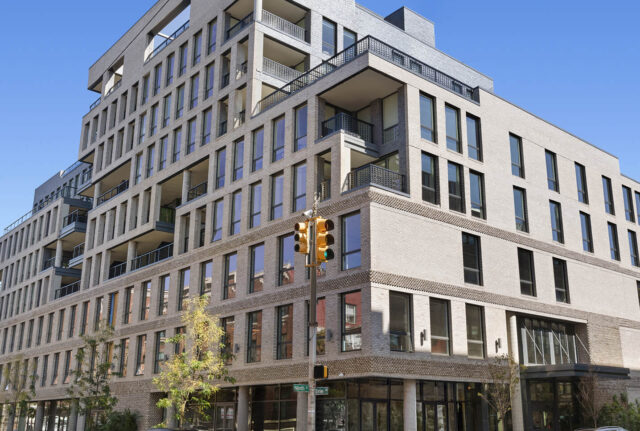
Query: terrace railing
[{"x": 375, "y": 175}]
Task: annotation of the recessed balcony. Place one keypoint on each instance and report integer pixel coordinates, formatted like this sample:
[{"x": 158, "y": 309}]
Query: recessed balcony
[
  {"x": 74, "y": 223},
  {"x": 67, "y": 290},
  {"x": 154, "y": 256},
  {"x": 373, "y": 175},
  {"x": 113, "y": 192}
]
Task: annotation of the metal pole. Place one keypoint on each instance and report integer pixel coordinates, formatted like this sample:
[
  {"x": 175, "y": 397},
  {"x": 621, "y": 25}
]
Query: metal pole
[{"x": 311, "y": 403}]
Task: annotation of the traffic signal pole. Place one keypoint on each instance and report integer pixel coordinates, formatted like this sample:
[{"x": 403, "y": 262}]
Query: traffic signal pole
[{"x": 313, "y": 324}]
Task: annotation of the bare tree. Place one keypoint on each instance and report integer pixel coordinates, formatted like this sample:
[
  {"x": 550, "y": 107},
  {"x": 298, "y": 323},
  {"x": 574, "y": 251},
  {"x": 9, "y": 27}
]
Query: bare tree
[
  {"x": 591, "y": 397},
  {"x": 504, "y": 377}
]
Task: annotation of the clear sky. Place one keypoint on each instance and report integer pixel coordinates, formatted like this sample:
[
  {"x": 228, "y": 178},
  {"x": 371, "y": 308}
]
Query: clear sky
[{"x": 572, "y": 62}]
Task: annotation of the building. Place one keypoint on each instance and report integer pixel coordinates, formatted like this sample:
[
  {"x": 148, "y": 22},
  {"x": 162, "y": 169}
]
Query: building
[{"x": 467, "y": 227}]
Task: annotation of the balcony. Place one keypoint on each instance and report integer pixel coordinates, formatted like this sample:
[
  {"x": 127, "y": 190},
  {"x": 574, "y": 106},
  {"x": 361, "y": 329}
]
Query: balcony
[
  {"x": 154, "y": 256},
  {"x": 373, "y": 175},
  {"x": 77, "y": 255},
  {"x": 274, "y": 21},
  {"x": 324, "y": 190},
  {"x": 350, "y": 125},
  {"x": 391, "y": 134},
  {"x": 117, "y": 270},
  {"x": 113, "y": 192},
  {"x": 279, "y": 71},
  {"x": 184, "y": 27},
  {"x": 74, "y": 222},
  {"x": 239, "y": 26},
  {"x": 67, "y": 290},
  {"x": 197, "y": 191},
  {"x": 48, "y": 263}
]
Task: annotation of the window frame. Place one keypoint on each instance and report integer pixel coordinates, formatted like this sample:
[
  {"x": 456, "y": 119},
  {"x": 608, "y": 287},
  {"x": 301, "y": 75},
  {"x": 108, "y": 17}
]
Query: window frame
[
  {"x": 527, "y": 254},
  {"x": 477, "y": 269}
]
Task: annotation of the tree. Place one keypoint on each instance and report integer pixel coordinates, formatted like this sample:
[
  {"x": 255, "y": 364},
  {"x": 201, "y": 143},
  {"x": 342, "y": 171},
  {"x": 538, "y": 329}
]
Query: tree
[
  {"x": 90, "y": 385},
  {"x": 19, "y": 387},
  {"x": 504, "y": 377},
  {"x": 621, "y": 412},
  {"x": 192, "y": 375},
  {"x": 591, "y": 397}
]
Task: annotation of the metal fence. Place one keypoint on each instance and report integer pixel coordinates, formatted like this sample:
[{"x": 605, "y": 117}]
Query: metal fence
[
  {"x": 113, "y": 192},
  {"x": 281, "y": 24},
  {"x": 278, "y": 70},
  {"x": 197, "y": 191},
  {"x": 77, "y": 216},
  {"x": 67, "y": 290},
  {"x": 157, "y": 255},
  {"x": 117, "y": 270},
  {"x": 239, "y": 26},
  {"x": 375, "y": 175},
  {"x": 349, "y": 124},
  {"x": 184, "y": 27}
]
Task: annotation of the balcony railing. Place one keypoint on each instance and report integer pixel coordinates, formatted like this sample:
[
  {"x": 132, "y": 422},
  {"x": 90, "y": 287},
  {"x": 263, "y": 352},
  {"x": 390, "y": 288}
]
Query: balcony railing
[
  {"x": 113, "y": 192},
  {"x": 324, "y": 190},
  {"x": 96, "y": 103},
  {"x": 280, "y": 71},
  {"x": 239, "y": 26},
  {"x": 167, "y": 215},
  {"x": 67, "y": 290},
  {"x": 241, "y": 116},
  {"x": 373, "y": 175},
  {"x": 78, "y": 251},
  {"x": 197, "y": 191},
  {"x": 78, "y": 216},
  {"x": 243, "y": 67},
  {"x": 114, "y": 88},
  {"x": 376, "y": 47},
  {"x": 48, "y": 263},
  {"x": 281, "y": 24},
  {"x": 350, "y": 125},
  {"x": 117, "y": 270},
  {"x": 391, "y": 134},
  {"x": 184, "y": 27},
  {"x": 154, "y": 256}
]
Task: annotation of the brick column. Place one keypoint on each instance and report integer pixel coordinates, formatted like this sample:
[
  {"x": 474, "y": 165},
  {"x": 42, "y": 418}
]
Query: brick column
[
  {"x": 409, "y": 406},
  {"x": 243, "y": 408}
]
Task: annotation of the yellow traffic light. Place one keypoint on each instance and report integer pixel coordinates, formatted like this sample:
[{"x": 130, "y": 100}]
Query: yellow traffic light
[
  {"x": 324, "y": 240},
  {"x": 320, "y": 371},
  {"x": 302, "y": 238}
]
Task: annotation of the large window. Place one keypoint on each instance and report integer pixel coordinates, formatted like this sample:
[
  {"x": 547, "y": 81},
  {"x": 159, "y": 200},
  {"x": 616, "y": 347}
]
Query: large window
[
  {"x": 349, "y": 38},
  {"x": 452, "y": 116},
  {"x": 581, "y": 182},
  {"x": 230, "y": 276},
  {"x": 300, "y": 140},
  {"x": 183, "y": 294},
  {"x": 328, "y": 37},
  {"x": 284, "y": 337},
  {"x": 556, "y": 221},
  {"x": 587, "y": 238},
  {"x": 255, "y": 205},
  {"x": 163, "y": 300},
  {"x": 517, "y": 160},
  {"x": 238, "y": 158},
  {"x": 427, "y": 118},
  {"x": 633, "y": 248},
  {"x": 299, "y": 187},
  {"x": 128, "y": 308},
  {"x": 218, "y": 211},
  {"x": 629, "y": 214},
  {"x": 637, "y": 195},
  {"x": 561, "y": 280},
  {"x": 351, "y": 251},
  {"x": 212, "y": 36},
  {"x": 527, "y": 272},
  {"x": 456, "y": 187},
  {"x": 277, "y": 186},
  {"x": 160, "y": 356},
  {"x": 474, "y": 138},
  {"x": 400, "y": 322},
  {"x": 607, "y": 191},
  {"x": 351, "y": 305},
  {"x": 257, "y": 148},
  {"x": 254, "y": 336},
  {"x": 206, "y": 277},
  {"x": 475, "y": 331},
  {"x": 471, "y": 258},
  {"x": 195, "y": 87},
  {"x": 256, "y": 279},
  {"x": 236, "y": 213},
  {"x": 145, "y": 300},
  {"x": 614, "y": 246},
  {"x": 221, "y": 159},
  {"x": 547, "y": 342},
  {"x": 228, "y": 325},
  {"x": 209, "y": 77},
  {"x": 440, "y": 332},
  {"x": 476, "y": 190},
  {"x": 430, "y": 192},
  {"x": 552, "y": 171},
  {"x": 278, "y": 139},
  {"x": 141, "y": 354},
  {"x": 286, "y": 260},
  {"x": 520, "y": 207}
]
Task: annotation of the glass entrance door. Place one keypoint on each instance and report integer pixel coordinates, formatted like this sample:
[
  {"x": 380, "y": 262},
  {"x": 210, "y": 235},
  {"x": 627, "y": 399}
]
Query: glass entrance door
[
  {"x": 225, "y": 417},
  {"x": 374, "y": 415},
  {"x": 432, "y": 417}
]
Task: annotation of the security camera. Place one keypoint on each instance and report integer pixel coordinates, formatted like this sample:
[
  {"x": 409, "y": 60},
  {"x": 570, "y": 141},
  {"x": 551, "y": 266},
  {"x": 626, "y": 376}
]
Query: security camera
[{"x": 308, "y": 213}]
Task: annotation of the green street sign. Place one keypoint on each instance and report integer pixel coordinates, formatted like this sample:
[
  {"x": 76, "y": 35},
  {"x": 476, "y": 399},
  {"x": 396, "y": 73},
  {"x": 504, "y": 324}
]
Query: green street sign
[
  {"x": 301, "y": 388},
  {"x": 323, "y": 390}
]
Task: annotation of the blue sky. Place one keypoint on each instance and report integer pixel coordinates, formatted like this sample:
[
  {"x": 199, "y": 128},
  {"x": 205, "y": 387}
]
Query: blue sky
[{"x": 572, "y": 62}]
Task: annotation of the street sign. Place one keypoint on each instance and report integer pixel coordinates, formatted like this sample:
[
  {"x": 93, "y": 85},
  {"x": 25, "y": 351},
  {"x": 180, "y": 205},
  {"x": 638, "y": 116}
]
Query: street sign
[
  {"x": 323, "y": 390},
  {"x": 301, "y": 388}
]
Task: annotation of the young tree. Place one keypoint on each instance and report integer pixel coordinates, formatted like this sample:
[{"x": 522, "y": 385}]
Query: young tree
[
  {"x": 19, "y": 388},
  {"x": 591, "y": 397},
  {"x": 90, "y": 384},
  {"x": 192, "y": 375},
  {"x": 504, "y": 377}
]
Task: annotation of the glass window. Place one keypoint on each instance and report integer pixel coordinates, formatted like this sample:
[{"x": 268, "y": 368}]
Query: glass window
[
  {"x": 142, "y": 128},
  {"x": 171, "y": 59},
  {"x": 183, "y": 294},
  {"x": 561, "y": 280},
  {"x": 180, "y": 102},
  {"x": 474, "y": 138},
  {"x": 153, "y": 128},
  {"x": 257, "y": 149},
  {"x": 400, "y": 322},
  {"x": 236, "y": 213},
  {"x": 151, "y": 154},
  {"x": 581, "y": 181},
  {"x": 299, "y": 187},
  {"x": 221, "y": 157},
  {"x": 197, "y": 48},
  {"x": 157, "y": 78},
  {"x": 209, "y": 77},
  {"x": 256, "y": 205},
  {"x": 218, "y": 211},
  {"x": 256, "y": 278},
  {"x": 277, "y": 185},
  {"x": 238, "y": 159},
  {"x": 328, "y": 37},
  {"x": 348, "y": 38},
  {"x": 207, "y": 119},
  {"x": 177, "y": 144},
  {"x": 452, "y": 116},
  {"x": 163, "y": 303},
  {"x": 638, "y": 204},
  {"x": 164, "y": 147},
  {"x": 166, "y": 110},
  {"x": 206, "y": 275},
  {"x": 212, "y": 36},
  {"x": 608, "y": 196},
  {"x": 278, "y": 139},
  {"x": 430, "y": 191},
  {"x": 301, "y": 128},
  {"x": 456, "y": 188},
  {"x": 472, "y": 260},
  {"x": 520, "y": 206},
  {"x": 145, "y": 90},
  {"x": 556, "y": 222},
  {"x": 254, "y": 331},
  {"x": 633, "y": 248},
  {"x": 192, "y": 128},
  {"x": 476, "y": 189},
  {"x": 475, "y": 331},
  {"x": 427, "y": 118},
  {"x": 628, "y": 204},
  {"x": 128, "y": 305},
  {"x": 587, "y": 238},
  {"x": 160, "y": 355},
  {"x": 284, "y": 338},
  {"x": 227, "y": 324},
  {"x": 527, "y": 272},
  {"x": 552, "y": 171},
  {"x": 182, "y": 68},
  {"x": 351, "y": 321},
  {"x": 439, "y": 318},
  {"x": 613, "y": 241},
  {"x": 230, "y": 276},
  {"x": 351, "y": 248},
  {"x": 286, "y": 260},
  {"x": 141, "y": 354},
  {"x": 517, "y": 162}
]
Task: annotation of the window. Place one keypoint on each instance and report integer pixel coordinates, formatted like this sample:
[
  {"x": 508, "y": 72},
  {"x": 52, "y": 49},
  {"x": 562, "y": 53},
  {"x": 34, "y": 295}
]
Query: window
[
  {"x": 400, "y": 325},
  {"x": 608, "y": 196},
  {"x": 191, "y": 135},
  {"x": 151, "y": 154},
  {"x": 351, "y": 248},
  {"x": 183, "y": 294},
  {"x": 223, "y": 116},
  {"x": 427, "y": 118},
  {"x": 439, "y": 318},
  {"x": 321, "y": 328},
  {"x": 230, "y": 276},
  {"x": 628, "y": 204},
  {"x": 430, "y": 192},
  {"x": 300, "y": 141},
  {"x": 145, "y": 90},
  {"x": 256, "y": 205},
  {"x": 212, "y": 36},
  {"x": 160, "y": 356},
  {"x": 164, "y": 144},
  {"x": 587, "y": 238},
  {"x": 556, "y": 222},
  {"x": 54, "y": 374},
  {"x": 236, "y": 213},
  {"x": 561, "y": 280},
  {"x": 227, "y": 324},
  {"x": 112, "y": 311},
  {"x": 328, "y": 37},
  {"x": 218, "y": 211},
  {"x": 476, "y": 189},
  {"x": 142, "y": 128},
  {"x": 277, "y": 184},
  {"x": 45, "y": 364},
  {"x": 238, "y": 157},
  {"x": 284, "y": 338},
  {"x": 286, "y": 260},
  {"x": 59, "y": 333},
  {"x": 197, "y": 48},
  {"x": 257, "y": 149},
  {"x": 171, "y": 59},
  {"x": 182, "y": 68},
  {"x": 581, "y": 181},
  {"x": 157, "y": 78},
  {"x": 527, "y": 272},
  {"x": 475, "y": 331},
  {"x": 209, "y": 77},
  {"x": 278, "y": 139},
  {"x": 633, "y": 248},
  {"x": 517, "y": 162},
  {"x": 84, "y": 321},
  {"x": 552, "y": 171},
  {"x": 145, "y": 300},
  {"x": 452, "y": 116},
  {"x": 221, "y": 157},
  {"x": 256, "y": 276},
  {"x": 299, "y": 187},
  {"x": 254, "y": 332},
  {"x": 153, "y": 128},
  {"x": 128, "y": 305},
  {"x": 206, "y": 273},
  {"x": 348, "y": 38},
  {"x": 474, "y": 138},
  {"x": 180, "y": 102},
  {"x": 138, "y": 172},
  {"x": 195, "y": 87},
  {"x": 177, "y": 144},
  {"x": 141, "y": 354},
  {"x": 351, "y": 305},
  {"x": 613, "y": 241},
  {"x": 97, "y": 316},
  {"x": 456, "y": 188},
  {"x": 180, "y": 346},
  {"x": 163, "y": 300},
  {"x": 472, "y": 260},
  {"x": 207, "y": 118},
  {"x": 520, "y": 207}
]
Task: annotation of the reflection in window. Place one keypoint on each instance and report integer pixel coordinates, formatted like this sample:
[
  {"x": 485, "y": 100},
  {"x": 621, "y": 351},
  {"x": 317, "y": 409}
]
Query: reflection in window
[
  {"x": 400, "y": 330},
  {"x": 351, "y": 321},
  {"x": 351, "y": 251}
]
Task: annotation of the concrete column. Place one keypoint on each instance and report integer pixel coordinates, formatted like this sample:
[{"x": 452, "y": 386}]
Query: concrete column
[
  {"x": 39, "y": 421},
  {"x": 194, "y": 228},
  {"x": 58, "y": 260},
  {"x": 80, "y": 422},
  {"x": 243, "y": 408},
  {"x": 257, "y": 10},
  {"x": 301, "y": 411},
  {"x": 186, "y": 185},
  {"x": 517, "y": 413},
  {"x": 11, "y": 419},
  {"x": 22, "y": 420},
  {"x": 73, "y": 416},
  {"x": 409, "y": 406},
  {"x": 172, "y": 423},
  {"x": 97, "y": 191},
  {"x": 51, "y": 419},
  {"x": 132, "y": 248}
]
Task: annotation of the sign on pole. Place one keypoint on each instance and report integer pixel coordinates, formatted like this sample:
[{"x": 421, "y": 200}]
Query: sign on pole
[
  {"x": 322, "y": 390},
  {"x": 301, "y": 388}
]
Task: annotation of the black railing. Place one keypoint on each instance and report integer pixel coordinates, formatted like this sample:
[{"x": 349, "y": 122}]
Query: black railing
[
  {"x": 67, "y": 290},
  {"x": 49, "y": 263},
  {"x": 114, "y": 88},
  {"x": 197, "y": 191},
  {"x": 78, "y": 251},
  {"x": 350, "y": 125},
  {"x": 113, "y": 192},
  {"x": 157, "y": 255},
  {"x": 374, "y": 46},
  {"x": 225, "y": 80},
  {"x": 241, "y": 116},
  {"x": 168, "y": 40},
  {"x": 78, "y": 216},
  {"x": 369, "y": 175},
  {"x": 391, "y": 134},
  {"x": 324, "y": 190},
  {"x": 167, "y": 215},
  {"x": 243, "y": 67},
  {"x": 237, "y": 27},
  {"x": 96, "y": 103},
  {"x": 117, "y": 270}
]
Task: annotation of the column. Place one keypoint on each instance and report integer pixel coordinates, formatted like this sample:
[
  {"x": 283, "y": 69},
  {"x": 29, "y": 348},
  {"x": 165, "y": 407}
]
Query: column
[
  {"x": 301, "y": 411},
  {"x": 80, "y": 422},
  {"x": 132, "y": 248},
  {"x": 97, "y": 191},
  {"x": 517, "y": 413},
  {"x": 73, "y": 416},
  {"x": 409, "y": 406},
  {"x": 172, "y": 423},
  {"x": 58, "y": 260},
  {"x": 22, "y": 420},
  {"x": 39, "y": 421},
  {"x": 257, "y": 10},
  {"x": 11, "y": 418},
  {"x": 186, "y": 185},
  {"x": 243, "y": 408}
]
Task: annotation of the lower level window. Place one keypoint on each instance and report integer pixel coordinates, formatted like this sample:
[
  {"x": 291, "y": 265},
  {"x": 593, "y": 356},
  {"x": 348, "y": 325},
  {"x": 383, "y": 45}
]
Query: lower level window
[{"x": 351, "y": 321}]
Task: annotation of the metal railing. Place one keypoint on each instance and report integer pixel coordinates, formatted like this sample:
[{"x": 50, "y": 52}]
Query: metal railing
[
  {"x": 78, "y": 216},
  {"x": 67, "y": 290},
  {"x": 369, "y": 175},
  {"x": 117, "y": 270},
  {"x": 376, "y": 47},
  {"x": 197, "y": 191},
  {"x": 184, "y": 27},
  {"x": 154, "y": 256},
  {"x": 239, "y": 26},
  {"x": 243, "y": 67},
  {"x": 78, "y": 251},
  {"x": 280, "y": 71},
  {"x": 348, "y": 124},
  {"x": 391, "y": 134},
  {"x": 114, "y": 88},
  {"x": 113, "y": 192},
  {"x": 96, "y": 103},
  {"x": 225, "y": 80},
  {"x": 324, "y": 190},
  {"x": 167, "y": 215},
  {"x": 48, "y": 263},
  {"x": 281, "y": 24},
  {"x": 241, "y": 116}
]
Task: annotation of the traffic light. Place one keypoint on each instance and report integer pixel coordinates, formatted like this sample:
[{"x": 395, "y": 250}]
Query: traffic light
[
  {"x": 320, "y": 372},
  {"x": 302, "y": 238},
  {"x": 324, "y": 240}
]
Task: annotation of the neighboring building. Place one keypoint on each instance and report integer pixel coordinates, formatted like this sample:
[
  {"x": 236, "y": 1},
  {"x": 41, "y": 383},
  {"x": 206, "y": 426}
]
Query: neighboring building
[{"x": 466, "y": 227}]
